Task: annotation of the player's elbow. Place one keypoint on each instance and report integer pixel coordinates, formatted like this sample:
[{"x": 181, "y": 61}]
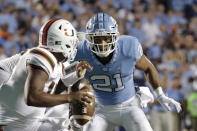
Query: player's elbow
[
  {"x": 150, "y": 69},
  {"x": 31, "y": 100}
]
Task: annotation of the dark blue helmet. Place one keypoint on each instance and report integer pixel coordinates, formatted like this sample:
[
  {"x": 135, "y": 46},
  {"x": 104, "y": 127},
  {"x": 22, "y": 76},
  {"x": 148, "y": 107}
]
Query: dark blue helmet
[{"x": 101, "y": 24}]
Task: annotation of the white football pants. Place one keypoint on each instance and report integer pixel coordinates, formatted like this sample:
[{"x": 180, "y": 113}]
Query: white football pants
[
  {"x": 128, "y": 114},
  {"x": 56, "y": 119},
  {"x": 15, "y": 121}
]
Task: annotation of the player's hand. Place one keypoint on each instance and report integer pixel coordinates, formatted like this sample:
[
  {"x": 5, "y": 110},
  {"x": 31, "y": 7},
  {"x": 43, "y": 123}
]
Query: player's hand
[
  {"x": 81, "y": 68},
  {"x": 81, "y": 96},
  {"x": 145, "y": 96},
  {"x": 165, "y": 101}
]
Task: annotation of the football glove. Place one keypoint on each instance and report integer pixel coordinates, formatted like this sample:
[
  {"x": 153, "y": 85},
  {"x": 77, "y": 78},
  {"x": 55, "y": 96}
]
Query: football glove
[
  {"x": 165, "y": 101},
  {"x": 145, "y": 96}
]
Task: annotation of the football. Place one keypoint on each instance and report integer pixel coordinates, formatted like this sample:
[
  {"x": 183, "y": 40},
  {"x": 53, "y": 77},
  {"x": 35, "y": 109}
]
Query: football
[{"x": 79, "y": 112}]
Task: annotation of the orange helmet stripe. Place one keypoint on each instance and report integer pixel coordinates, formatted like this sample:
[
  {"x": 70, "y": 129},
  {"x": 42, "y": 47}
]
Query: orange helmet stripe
[{"x": 45, "y": 30}]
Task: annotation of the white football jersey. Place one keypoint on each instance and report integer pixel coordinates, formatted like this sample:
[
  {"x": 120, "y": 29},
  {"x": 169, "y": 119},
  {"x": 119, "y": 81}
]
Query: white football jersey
[
  {"x": 13, "y": 110},
  {"x": 9, "y": 63},
  {"x": 57, "y": 118},
  {"x": 6, "y": 67}
]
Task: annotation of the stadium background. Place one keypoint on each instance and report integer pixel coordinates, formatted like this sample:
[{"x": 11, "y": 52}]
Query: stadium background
[{"x": 167, "y": 30}]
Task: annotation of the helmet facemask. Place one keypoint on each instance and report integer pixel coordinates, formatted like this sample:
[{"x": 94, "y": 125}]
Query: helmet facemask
[
  {"x": 98, "y": 47},
  {"x": 70, "y": 50}
]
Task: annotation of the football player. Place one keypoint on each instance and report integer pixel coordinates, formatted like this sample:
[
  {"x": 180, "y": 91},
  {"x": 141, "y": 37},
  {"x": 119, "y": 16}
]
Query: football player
[
  {"x": 114, "y": 58},
  {"x": 36, "y": 76}
]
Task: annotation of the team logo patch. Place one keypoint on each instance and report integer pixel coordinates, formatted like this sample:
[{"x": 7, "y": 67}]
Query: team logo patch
[
  {"x": 58, "y": 42},
  {"x": 105, "y": 69}
]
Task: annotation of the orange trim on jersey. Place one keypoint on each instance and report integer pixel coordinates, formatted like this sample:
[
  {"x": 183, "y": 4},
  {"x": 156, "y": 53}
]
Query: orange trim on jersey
[
  {"x": 45, "y": 56},
  {"x": 62, "y": 69},
  {"x": 36, "y": 67},
  {"x": 45, "y": 30},
  {"x": 50, "y": 88}
]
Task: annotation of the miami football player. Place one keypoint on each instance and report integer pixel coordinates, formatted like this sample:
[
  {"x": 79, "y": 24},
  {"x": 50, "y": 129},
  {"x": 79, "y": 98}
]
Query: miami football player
[{"x": 36, "y": 76}]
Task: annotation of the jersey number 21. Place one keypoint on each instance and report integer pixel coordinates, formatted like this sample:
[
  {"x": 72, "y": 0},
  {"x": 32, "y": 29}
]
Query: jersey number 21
[{"x": 107, "y": 82}]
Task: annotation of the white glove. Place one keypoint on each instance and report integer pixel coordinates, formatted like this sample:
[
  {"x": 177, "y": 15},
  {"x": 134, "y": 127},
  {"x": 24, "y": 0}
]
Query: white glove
[
  {"x": 145, "y": 96},
  {"x": 165, "y": 101}
]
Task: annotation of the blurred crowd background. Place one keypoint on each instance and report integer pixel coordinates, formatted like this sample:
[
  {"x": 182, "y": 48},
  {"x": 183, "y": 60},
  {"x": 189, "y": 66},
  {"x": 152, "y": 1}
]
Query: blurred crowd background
[{"x": 167, "y": 30}]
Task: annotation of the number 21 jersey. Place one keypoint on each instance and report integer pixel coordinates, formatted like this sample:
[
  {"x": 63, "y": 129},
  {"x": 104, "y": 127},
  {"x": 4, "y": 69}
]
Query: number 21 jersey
[{"x": 112, "y": 83}]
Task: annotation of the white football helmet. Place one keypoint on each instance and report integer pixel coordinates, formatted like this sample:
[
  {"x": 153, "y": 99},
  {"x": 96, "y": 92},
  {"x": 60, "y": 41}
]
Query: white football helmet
[{"x": 58, "y": 35}]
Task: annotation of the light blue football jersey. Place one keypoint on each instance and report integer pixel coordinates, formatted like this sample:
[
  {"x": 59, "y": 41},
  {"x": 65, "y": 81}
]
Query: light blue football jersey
[{"x": 112, "y": 83}]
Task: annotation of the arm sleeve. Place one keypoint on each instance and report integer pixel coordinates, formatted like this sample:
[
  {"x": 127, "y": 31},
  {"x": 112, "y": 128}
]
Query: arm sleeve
[
  {"x": 132, "y": 48},
  {"x": 38, "y": 61},
  {"x": 138, "y": 52}
]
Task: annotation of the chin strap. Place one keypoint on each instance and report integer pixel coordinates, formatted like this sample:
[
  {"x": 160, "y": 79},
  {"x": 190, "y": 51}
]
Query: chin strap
[{"x": 102, "y": 55}]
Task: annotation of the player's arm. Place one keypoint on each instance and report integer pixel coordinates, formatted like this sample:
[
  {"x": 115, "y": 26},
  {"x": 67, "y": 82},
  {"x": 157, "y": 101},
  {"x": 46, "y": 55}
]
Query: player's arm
[
  {"x": 75, "y": 72},
  {"x": 152, "y": 75},
  {"x": 150, "y": 72},
  {"x": 34, "y": 95},
  {"x": 60, "y": 87}
]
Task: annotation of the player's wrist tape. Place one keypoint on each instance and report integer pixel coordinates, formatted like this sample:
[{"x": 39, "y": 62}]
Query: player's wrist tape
[
  {"x": 158, "y": 92},
  {"x": 70, "y": 75},
  {"x": 70, "y": 80}
]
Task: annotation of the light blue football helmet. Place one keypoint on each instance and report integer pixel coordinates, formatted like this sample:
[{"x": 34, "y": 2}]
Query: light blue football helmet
[{"x": 101, "y": 24}]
